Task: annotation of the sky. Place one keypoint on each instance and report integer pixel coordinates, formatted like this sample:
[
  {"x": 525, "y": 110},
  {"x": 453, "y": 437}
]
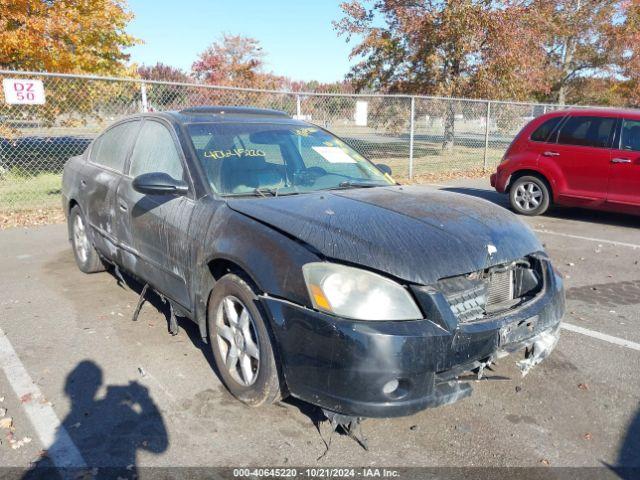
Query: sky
[{"x": 296, "y": 35}]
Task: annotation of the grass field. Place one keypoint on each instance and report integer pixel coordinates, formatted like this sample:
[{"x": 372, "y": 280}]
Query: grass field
[
  {"x": 19, "y": 192},
  {"x": 431, "y": 161}
]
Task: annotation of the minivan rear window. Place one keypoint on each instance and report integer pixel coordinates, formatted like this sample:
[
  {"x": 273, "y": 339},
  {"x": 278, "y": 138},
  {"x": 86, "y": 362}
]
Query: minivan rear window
[
  {"x": 543, "y": 132},
  {"x": 587, "y": 131}
]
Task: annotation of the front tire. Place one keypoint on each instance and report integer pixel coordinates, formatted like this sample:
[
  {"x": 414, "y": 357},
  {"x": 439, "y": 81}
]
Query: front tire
[
  {"x": 530, "y": 195},
  {"x": 240, "y": 342},
  {"x": 86, "y": 256}
]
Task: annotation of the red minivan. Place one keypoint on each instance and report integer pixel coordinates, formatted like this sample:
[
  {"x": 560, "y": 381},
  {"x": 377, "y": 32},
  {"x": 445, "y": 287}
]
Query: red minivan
[{"x": 579, "y": 158}]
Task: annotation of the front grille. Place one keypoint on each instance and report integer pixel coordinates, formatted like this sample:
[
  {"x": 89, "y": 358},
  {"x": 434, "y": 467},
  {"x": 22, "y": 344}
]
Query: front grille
[
  {"x": 500, "y": 287},
  {"x": 485, "y": 293}
]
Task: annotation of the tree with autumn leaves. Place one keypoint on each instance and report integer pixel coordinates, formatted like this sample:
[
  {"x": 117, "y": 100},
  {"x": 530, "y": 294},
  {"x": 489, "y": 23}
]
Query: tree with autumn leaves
[
  {"x": 548, "y": 50},
  {"x": 574, "y": 51},
  {"x": 67, "y": 36}
]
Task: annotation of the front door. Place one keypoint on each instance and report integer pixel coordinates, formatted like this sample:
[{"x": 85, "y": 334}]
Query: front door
[
  {"x": 582, "y": 153},
  {"x": 624, "y": 182},
  {"x": 154, "y": 228},
  {"x": 103, "y": 174}
]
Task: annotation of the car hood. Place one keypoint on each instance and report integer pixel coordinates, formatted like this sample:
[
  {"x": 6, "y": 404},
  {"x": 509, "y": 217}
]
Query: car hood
[{"x": 417, "y": 234}]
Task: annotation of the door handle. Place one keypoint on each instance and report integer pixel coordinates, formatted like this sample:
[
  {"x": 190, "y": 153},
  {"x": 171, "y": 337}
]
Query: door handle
[
  {"x": 620, "y": 160},
  {"x": 551, "y": 154},
  {"x": 123, "y": 206},
  {"x": 83, "y": 183}
]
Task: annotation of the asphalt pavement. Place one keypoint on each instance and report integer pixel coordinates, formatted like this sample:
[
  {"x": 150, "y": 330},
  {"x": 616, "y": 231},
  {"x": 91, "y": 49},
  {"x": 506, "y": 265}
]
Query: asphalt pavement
[{"x": 128, "y": 394}]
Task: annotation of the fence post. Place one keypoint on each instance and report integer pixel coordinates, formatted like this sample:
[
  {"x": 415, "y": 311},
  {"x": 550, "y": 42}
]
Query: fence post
[
  {"x": 143, "y": 93},
  {"x": 412, "y": 127},
  {"x": 298, "y": 107},
  {"x": 486, "y": 137}
]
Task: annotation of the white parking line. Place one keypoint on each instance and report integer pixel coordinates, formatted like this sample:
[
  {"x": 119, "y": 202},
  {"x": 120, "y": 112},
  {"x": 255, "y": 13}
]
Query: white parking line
[
  {"x": 591, "y": 239},
  {"x": 601, "y": 336},
  {"x": 53, "y": 436}
]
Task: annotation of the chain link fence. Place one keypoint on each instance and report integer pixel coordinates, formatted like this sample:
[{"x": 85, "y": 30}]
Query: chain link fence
[{"x": 420, "y": 138}]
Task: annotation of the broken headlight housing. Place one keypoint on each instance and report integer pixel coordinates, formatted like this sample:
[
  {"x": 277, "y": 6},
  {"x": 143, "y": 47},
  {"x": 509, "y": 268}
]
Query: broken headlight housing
[{"x": 358, "y": 294}]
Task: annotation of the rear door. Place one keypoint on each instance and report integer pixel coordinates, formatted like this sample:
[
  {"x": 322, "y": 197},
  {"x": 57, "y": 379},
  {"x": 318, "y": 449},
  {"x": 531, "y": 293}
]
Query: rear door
[
  {"x": 624, "y": 182},
  {"x": 582, "y": 155},
  {"x": 155, "y": 227},
  {"x": 100, "y": 181}
]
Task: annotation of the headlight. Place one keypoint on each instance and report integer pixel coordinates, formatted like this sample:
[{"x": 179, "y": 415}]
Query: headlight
[{"x": 358, "y": 294}]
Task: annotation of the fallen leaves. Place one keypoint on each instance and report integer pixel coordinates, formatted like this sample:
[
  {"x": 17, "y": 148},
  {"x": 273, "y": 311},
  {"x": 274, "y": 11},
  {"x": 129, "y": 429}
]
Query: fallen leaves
[
  {"x": 449, "y": 174},
  {"x": 6, "y": 423},
  {"x": 15, "y": 444},
  {"x": 30, "y": 218}
]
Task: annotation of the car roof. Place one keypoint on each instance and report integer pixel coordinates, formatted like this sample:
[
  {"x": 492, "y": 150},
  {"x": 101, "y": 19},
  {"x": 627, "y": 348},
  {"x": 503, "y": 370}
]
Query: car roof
[
  {"x": 597, "y": 112},
  {"x": 222, "y": 113}
]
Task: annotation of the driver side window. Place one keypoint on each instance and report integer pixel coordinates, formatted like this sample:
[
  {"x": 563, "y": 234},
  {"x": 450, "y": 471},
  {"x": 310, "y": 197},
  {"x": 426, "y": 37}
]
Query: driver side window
[{"x": 155, "y": 151}]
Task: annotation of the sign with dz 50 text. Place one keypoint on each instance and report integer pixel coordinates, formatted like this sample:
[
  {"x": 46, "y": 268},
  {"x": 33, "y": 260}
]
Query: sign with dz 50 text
[{"x": 23, "y": 91}]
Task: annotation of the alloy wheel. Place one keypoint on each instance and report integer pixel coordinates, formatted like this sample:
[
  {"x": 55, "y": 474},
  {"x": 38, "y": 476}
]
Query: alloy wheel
[
  {"x": 237, "y": 339},
  {"x": 80, "y": 239},
  {"x": 528, "y": 196}
]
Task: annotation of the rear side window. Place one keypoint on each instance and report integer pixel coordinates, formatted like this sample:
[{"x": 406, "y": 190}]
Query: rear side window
[
  {"x": 630, "y": 139},
  {"x": 155, "y": 151},
  {"x": 543, "y": 132},
  {"x": 587, "y": 131},
  {"x": 111, "y": 149}
]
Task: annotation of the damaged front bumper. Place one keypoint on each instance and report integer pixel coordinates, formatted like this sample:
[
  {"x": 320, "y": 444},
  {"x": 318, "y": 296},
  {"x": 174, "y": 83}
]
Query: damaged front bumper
[{"x": 389, "y": 369}]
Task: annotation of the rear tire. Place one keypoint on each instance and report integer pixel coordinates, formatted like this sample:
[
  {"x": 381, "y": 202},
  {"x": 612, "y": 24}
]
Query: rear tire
[
  {"x": 240, "y": 342},
  {"x": 86, "y": 256},
  {"x": 530, "y": 195}
]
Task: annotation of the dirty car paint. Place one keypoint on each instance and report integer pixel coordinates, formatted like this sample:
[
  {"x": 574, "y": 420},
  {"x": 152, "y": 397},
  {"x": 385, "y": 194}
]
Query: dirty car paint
[{"x": 416, "y": 236}]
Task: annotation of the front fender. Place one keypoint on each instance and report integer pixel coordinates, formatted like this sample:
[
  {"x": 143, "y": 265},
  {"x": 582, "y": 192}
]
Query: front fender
[{"x": 270, "y": 258}]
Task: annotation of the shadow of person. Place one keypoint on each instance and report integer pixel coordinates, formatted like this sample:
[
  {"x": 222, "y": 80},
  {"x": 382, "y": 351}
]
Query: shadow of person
[
  {"x": 628, "y": 461},
  {"x": 107, "y": 431}
]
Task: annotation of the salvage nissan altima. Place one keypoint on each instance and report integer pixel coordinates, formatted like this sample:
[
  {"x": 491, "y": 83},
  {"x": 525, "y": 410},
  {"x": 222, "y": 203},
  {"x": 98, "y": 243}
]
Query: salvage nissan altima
[{"x": 308, "y": 270}]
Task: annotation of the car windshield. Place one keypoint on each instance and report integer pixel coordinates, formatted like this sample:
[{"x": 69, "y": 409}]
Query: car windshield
[{"x": 279, "y": 159}]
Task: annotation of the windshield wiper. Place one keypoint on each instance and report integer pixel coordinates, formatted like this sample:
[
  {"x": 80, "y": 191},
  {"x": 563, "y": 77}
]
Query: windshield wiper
[
  {"x": 262, "y": 190},
  {"x": 274, "y": 192},
  {"x": 352, "y": 184}
]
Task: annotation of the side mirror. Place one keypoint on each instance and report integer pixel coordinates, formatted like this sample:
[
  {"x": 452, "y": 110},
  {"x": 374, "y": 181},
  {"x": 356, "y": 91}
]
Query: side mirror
[
  {"x": 384, "y": 168},
  {"x": 159, "y": 183}
]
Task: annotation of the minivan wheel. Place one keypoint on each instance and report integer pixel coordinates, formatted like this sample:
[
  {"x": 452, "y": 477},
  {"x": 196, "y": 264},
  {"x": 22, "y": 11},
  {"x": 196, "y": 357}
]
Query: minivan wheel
[
  {"x": 529, "y": 195},
  {"x": 240, "y": 342},
  {"x": 86, "y": 256}
]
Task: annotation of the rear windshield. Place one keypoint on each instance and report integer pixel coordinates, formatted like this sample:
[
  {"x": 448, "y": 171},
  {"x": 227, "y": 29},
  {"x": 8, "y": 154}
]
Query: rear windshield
[{"x": 254, "y": 158}]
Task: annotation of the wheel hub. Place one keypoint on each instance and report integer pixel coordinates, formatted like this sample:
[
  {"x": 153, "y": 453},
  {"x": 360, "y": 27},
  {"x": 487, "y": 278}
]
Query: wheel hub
[{"x": 239, "y": 340}]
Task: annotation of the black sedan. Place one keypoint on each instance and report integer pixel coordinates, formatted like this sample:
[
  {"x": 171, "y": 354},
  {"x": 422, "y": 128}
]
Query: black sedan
[{"x": 308, "y": 270}]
